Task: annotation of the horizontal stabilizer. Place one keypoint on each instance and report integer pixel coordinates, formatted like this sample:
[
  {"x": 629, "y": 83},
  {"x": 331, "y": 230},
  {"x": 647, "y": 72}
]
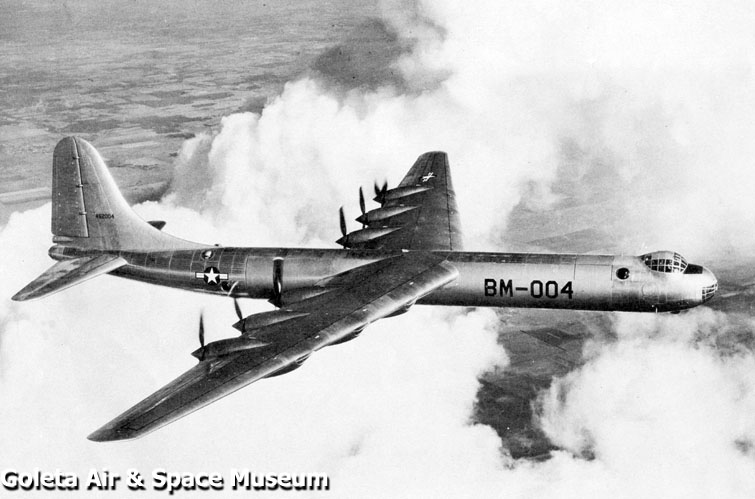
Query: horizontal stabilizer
[{"x": 67, "y": 273}]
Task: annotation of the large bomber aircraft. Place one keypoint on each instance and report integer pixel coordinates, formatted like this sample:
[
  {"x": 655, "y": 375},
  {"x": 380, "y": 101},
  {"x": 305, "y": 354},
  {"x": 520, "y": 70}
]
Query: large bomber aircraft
[{"x": 408, "y": 251}]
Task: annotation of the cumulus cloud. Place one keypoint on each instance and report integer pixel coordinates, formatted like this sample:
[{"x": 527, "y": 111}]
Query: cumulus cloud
[
  {"x": 661, "y": 417},
  {"x": 654, "y": 114},
  {"x": 646, "y": 107}
]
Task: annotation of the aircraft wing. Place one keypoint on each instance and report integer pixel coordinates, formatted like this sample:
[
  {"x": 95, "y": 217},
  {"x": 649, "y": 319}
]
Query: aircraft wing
[
  {"x": 432, "y": 223},
  {"x": 279, "y": 341}
]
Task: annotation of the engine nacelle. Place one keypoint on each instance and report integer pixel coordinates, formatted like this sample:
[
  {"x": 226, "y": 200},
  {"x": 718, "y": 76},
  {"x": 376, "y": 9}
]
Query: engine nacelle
[
  {"x": 287, "y": 369},
  {"x": 380, "y": 214},
  {"x": 224, "y": 347},
  {"x": 299, "y": 294},
  {"x": 264, "y": 319},
  {"x": 401, "y": 311},
  {"x": 348, "y": 337},
  {"x": 365, "y": 235},
  {"x": 399, "y": 193}
]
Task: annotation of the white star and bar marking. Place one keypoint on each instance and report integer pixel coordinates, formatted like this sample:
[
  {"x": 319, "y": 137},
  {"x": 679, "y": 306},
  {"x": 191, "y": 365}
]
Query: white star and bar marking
[
  {"x": 427, "y": 177},
  {"x": 211, "y": 275}
]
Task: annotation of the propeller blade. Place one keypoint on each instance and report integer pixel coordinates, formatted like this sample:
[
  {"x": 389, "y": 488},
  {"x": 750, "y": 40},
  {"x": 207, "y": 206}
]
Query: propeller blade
[
  {"x": 380, "y": 192},
  {"x": 277, "y": 282},
  {"x": 238, "y": 309},
  {"x": 362, "y": 206},
  {"x": 343, "y": 221},
  {"x": 201, "y": 335},
  {"x": 201, "y": 330}
]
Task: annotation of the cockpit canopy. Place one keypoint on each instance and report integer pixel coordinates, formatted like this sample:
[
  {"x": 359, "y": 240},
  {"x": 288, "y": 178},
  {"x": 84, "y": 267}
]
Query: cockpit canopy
[{"x": 665, "y": 261}]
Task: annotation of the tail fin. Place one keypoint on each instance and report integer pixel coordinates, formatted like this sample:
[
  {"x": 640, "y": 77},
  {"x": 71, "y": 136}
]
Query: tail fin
[
  {"x": 88, "y": 210},
  {"x": 91, "y": 218}
]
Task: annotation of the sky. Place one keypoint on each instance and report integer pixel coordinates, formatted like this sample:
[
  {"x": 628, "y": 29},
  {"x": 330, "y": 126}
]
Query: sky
[{"x": 647, "y": 108}]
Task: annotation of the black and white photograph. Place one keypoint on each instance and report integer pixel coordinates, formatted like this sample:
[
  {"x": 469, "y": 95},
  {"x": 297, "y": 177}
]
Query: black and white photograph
[{"x": 377, "y": 248}]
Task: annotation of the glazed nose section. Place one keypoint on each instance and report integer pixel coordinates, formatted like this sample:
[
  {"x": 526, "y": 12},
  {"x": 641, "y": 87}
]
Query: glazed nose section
[{"x": 710, "y": 284}]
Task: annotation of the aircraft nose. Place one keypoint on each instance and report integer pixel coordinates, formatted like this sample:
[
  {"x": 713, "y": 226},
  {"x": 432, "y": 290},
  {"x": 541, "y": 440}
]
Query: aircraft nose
[{"x": 710, "y": 284}]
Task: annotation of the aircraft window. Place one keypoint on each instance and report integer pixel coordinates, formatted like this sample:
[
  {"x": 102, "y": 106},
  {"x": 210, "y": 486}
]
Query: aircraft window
[
  {"x": 709, "y": 291},
  {"x": 622, "y": 273},
  {"x": 693, "y": 269},
  {"x": 665, "y": 261},
  {"x": 207, "y": 254}
]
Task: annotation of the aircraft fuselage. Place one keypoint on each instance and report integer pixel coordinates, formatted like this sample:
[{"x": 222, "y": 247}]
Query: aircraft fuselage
[{"x": 566, "y": 281}]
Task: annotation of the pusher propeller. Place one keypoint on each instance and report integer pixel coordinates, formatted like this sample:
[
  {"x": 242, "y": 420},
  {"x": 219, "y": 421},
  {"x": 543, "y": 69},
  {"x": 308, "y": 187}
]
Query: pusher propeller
[
  {"x": 238, "y": 308},
  {"x": 380, "y": 191},
  {"x": 342, "y": 219},
  {"x": 362, "y": 206},
  {"x": 201, "y": 335},
  {"x": 278, "y": 282}
]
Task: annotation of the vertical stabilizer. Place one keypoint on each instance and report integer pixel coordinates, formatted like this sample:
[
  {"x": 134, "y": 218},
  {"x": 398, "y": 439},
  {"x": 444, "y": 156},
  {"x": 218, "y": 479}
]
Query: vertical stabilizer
[
  {"x": 88, "y": 210},
  {"x": 68, "y": 211}
]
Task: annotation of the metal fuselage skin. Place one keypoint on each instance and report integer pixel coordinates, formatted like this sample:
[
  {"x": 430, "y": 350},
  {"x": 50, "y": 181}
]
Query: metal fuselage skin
[{"x": 560, "y": 281}]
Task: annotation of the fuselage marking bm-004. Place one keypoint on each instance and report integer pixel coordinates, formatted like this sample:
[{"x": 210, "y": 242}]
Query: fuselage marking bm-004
[{"x": 536, "y": 288}]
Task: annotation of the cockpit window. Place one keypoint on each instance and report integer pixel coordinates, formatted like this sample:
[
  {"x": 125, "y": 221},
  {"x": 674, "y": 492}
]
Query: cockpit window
[
  {"x": 693, "y": 269},
  {"x": 665, "y": 261}
]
